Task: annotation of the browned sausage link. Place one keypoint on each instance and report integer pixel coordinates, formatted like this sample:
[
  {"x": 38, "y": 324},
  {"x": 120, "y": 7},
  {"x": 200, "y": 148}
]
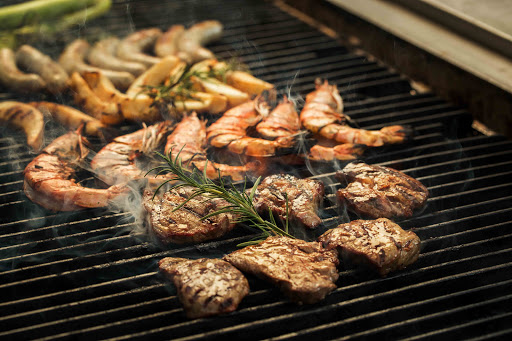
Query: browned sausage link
[
  {"x": 72, "y": 59},
  {"x": 71, "y": 118},
  {"x": 25, "y": 117},
  {"x": 167, "y": 43},
  {"x": 13, "y": 78},
  {"x": 103, "y": 54},
  {"x": 133, "y": 46},
  {"x": 190, "y": 45},
  {"x": 51, "y": 72}
]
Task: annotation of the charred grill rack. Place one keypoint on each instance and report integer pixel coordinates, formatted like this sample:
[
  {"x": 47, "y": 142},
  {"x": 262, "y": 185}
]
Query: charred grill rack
[{"x": 83, "y": 275}]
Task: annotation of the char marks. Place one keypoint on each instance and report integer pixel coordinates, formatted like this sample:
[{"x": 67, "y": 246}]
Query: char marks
[
  {"x": 304, "y": 271},
  {"x": 206, "y": 287},
  {"x": 380, "y": 192}
]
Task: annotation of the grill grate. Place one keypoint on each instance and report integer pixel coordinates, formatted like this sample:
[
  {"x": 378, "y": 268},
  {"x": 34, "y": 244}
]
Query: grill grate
[{"x": 84, "y": 275}]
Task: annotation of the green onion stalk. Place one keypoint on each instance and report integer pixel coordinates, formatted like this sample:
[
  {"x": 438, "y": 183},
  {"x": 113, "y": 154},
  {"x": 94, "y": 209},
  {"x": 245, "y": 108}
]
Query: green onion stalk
[{"x": 45, "y": 17}]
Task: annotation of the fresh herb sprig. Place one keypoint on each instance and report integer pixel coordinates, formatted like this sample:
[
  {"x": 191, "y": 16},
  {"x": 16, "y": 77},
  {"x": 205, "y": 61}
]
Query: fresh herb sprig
[
  {"x": 179, "y": 89},
  {"x": 241, "y": 202}
]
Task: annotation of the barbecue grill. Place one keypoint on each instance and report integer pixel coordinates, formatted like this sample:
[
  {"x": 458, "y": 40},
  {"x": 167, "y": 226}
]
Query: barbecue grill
[{"x": 93, "y": 274}]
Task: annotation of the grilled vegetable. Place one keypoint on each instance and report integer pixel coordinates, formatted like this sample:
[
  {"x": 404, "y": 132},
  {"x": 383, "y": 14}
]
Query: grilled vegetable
[{"x": 44, "y": 17}]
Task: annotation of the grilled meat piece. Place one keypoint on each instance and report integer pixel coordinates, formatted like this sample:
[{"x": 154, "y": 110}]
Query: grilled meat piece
[
  {"x": 380, "y": 244},
  {"x": 304, "y": 197},
  {"x": 206, "y": 287},
  {"x": 380, "y": 192},
  {"x": 303, "y": 271},
  {"x": 185, "y": 225}
]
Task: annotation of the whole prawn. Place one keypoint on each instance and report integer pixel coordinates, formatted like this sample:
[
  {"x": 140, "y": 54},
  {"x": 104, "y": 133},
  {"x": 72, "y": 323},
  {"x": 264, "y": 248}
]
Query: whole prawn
[
  {"x": 342, "y": 152},
  {"x": 231, "y": 131},
  {"x": 117, "y": 161},
  {"x": 283, "y": 121},
  {"x": 322, "y": 115},
  {"x": 49, "y": 177},
  {"x": 189, "y": 140}
]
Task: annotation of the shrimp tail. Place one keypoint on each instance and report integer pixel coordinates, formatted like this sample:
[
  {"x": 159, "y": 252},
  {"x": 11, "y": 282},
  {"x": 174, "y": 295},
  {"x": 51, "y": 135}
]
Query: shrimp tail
[
  {"x": 398, "y": 132},
  {"x": 261, "y": 105}
]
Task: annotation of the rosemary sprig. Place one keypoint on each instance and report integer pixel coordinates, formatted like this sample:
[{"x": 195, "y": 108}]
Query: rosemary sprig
[
  {"x": 241, "y": 202},
  {"x": 181, "y": 88}
]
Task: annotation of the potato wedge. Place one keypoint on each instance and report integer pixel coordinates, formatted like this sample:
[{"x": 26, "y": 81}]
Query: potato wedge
[
  {"x": 71, "y": 118},
  {"x": 105, "y": 111},
  {"x": 246, "y": 82},
  {"x": 25, "y": 117},
  {"x": 214, "y": 86},
  {"x": 133, "y": 108},
  {"x": 157, "y": 74},
  {"x": 204, "y": 102}
]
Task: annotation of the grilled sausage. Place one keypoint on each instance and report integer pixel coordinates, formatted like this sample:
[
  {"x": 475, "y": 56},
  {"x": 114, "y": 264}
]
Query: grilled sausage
[
  {"x": 72, "y": 59},
  {"x": 190, "y": 45},
  {"x": 14, "y": 78},
  {"x": 167, "y": 43},
  {"x": 133, "y": 46},
  {"x": 25, "y": 117},
  {"x": 103, "y": 55},
  {"x": 37, "y": 62}
]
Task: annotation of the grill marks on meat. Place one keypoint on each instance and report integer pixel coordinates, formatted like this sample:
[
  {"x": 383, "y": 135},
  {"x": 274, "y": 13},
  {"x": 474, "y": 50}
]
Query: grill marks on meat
[
  {"x": 185, "y": 225},
  {"x": 380, "y": 244},
  {"x": 304, "y": 271},
  {"x": 304, "y": 197},
  {"x": 206, "y": 287},
  {"x": 380, "y": 192}
]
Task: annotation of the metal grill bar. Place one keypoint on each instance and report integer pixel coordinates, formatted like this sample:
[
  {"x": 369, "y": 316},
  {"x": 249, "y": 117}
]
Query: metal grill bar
[{"x": 88, "y": 275}]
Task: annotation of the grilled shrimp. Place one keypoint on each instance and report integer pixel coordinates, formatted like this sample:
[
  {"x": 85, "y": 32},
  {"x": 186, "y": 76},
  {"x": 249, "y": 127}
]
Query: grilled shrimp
[
  {"x": 343, "y": 152},
  {"x": 234, "y": 123},
  {"x": 49, "y": 178},
  {"x": 281, "y": 122},
  {"x": 117, "y": 161},
  {"x": 230, "y": 131},
  {"x": 322, "y": 115},
  {"x": 189, "y": 140},
  {"x": 372, "y": 138},
  {"x": 323, "y": 106}
]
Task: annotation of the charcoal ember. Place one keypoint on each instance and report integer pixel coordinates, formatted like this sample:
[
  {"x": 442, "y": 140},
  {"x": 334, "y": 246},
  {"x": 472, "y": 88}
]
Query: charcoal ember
[
  {"x": 304, "y": 198},
  {"x": 380, "y": 192},
  {"x": 304, "y": 271},
  {"x": 186, "y": 224},
  {"x": 205, "y": 286},
  {"x": 379, "y": 244}
]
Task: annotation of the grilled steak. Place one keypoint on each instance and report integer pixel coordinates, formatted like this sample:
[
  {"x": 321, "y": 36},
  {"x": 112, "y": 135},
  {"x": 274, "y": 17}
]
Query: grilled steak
[
  {"x": 185, "y": 225},
  {"x": 380, "y": 192},
  {"x": 380, "y": 244},
  {"x": 205, "y": 286},
  {"x": 303, "y": 271},
  {"x": 304, "y": 197}
]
